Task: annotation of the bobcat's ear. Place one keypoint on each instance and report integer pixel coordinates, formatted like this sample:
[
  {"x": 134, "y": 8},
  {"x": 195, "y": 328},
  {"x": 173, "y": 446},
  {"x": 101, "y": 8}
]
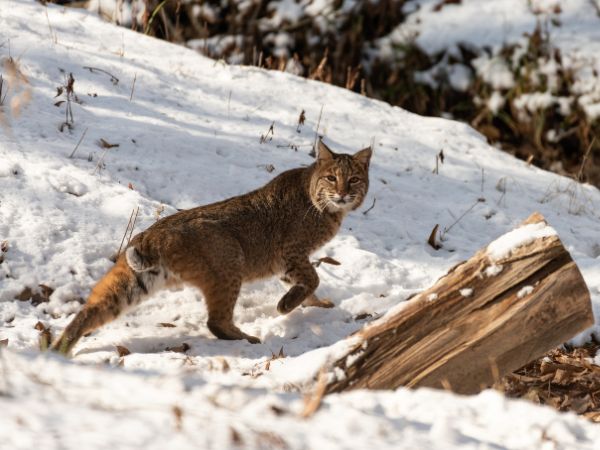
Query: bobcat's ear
[
  {"x": 325, "y": 153},
  {"x": 363, "y": 156}
]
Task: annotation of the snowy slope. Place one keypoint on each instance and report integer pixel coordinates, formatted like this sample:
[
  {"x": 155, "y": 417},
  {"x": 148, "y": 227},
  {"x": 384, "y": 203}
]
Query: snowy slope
[{"x": 188, "y": 136}]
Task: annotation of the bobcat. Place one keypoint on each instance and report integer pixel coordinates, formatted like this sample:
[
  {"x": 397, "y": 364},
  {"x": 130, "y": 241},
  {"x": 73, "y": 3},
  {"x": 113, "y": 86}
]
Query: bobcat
[{"x": 217, "y": 247}]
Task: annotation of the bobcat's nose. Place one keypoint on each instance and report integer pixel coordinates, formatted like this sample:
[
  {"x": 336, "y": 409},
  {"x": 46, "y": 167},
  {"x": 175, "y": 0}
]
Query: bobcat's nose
[{"x": 341, "y": 199}]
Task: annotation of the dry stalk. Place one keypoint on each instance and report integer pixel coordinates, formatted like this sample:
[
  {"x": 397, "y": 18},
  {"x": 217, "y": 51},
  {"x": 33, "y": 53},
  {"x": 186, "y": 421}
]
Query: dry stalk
[
  {"x": 313, "y": 152},
  {"x": 133, "y": 87},
  {"x": 78, "y": 143}
]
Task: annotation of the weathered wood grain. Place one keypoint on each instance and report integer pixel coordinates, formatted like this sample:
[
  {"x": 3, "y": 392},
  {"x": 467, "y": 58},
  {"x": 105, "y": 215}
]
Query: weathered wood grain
[{"x": 441, "y": 338}]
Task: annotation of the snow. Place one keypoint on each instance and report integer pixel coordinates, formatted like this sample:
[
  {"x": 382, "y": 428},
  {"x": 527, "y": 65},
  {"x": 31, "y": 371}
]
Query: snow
[
  {"x": 493, "y": 270},
  {"x": 495, "y": 102},
  {"x": 524, "y": 291},
  {"x": 466, "y": 292},
  {"x": 494, "y": 71},
  {"x": 190, "y": 136},
  {"x": 460, "y": 77},
  {"x": 502, "y": 247}
]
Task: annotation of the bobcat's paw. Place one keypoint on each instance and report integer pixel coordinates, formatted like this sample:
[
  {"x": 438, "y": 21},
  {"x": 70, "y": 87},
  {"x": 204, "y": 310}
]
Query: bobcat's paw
[{"x": 252, "y": 339}]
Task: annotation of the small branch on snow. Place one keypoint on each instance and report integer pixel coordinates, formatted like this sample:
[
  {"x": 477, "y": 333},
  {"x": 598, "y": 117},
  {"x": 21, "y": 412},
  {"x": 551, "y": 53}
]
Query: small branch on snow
[
  {"x": 114, "y": 80},
  {"x": 371, "y": 207},
  {"x": 78, "y": 143},
  {"x": 133, "y": 87},
  {"x": 313, "y": 152}
]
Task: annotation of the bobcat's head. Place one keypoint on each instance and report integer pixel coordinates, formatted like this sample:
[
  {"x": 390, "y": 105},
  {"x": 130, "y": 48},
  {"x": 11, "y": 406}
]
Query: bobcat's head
[{"x": 340, "y": 181}]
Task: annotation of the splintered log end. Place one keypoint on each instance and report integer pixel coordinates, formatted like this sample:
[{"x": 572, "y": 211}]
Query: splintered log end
[{"x": 510, "y": 303}]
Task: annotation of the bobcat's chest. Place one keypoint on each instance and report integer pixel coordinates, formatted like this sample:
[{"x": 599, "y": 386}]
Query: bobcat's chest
[{"x": 325, "y": 232}]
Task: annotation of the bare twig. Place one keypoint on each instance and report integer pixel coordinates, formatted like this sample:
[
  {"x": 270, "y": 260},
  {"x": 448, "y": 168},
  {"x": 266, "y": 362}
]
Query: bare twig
[
  {"x": 100, "y": 160},
  {"x": 371, "y": 207},
  {"x": 482, "y": 179},
  {"x": 114, "y": 80},
  {"x": 78, "y": 143},
  {"x": 133, "y": 224},
  {"x": 133, "y": 86},
  {"x": 313, "y": 152},
  {"x": 596, "y": 6},
  {"x": 2, "y": 97},
  {"x": 52, "y": 33},
  {"x": 446, "y": 230},
  {"x": 156, "y": 11},
  {"x": 125, "y": 234},
  {"x": 268, "y": 136},
  {"x": 585, "y": 157}
]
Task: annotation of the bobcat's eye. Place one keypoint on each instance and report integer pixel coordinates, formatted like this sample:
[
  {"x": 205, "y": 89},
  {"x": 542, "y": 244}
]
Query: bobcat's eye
[
  {"x": 331, "y": 178},
  {"x": 354, "y": 180}
]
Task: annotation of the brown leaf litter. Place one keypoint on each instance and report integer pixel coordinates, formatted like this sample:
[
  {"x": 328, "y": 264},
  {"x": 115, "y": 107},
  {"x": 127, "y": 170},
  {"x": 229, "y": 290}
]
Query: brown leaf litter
[{"x": 566, "y": 379}]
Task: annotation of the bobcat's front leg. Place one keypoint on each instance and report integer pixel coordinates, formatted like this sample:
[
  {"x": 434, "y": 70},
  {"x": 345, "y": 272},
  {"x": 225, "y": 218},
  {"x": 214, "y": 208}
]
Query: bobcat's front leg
[{"x": 304, "y": 279}]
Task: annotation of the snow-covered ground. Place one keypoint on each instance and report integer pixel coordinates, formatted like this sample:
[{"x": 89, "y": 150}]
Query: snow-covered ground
[{"x": 188, "y": 133}]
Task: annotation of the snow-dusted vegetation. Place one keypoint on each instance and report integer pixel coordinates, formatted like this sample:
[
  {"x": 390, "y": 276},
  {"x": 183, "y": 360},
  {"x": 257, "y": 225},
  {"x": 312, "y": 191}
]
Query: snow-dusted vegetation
[{"x": 99, "y": 123}]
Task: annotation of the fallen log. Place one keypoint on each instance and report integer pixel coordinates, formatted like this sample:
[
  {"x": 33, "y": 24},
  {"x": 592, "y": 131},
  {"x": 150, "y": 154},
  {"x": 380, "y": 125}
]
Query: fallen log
[{"x": 509, "y": 304}]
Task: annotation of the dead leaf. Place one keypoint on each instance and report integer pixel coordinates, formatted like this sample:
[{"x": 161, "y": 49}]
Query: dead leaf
[
  {"x": 178, "y": 348},
  {"x": 562, "y": 377},
  {"x": 224, "y": 364},
  {"x": 432, "y": 238},
  {"x": 178, "y": 413},
  {"x": 24, "y": 295},
  {"x": 533, "y": 395},
  {"x": 43, "y": 296},
  {"x": 277, "y": 410},
  {"x": 4, "y": 246},
  {"x": 236, "y": 438},
  {"x": 58, "y": 103},
  {"x": 59, "y": 91},
  {"x": 166, "y": 325},
  {"x": 3, "y": 342},
  {"x": 312, "y": 401},
  {"x": 122, "y": 351},
  {"x": 443, "y": 3},
  {"x": 326, "y": 260},
  {"x": 45, "y": 338},
  {"x": 580, "y": 405},
  {"x": 105, "y": 144},
  {"x": 363, "y": 316}
]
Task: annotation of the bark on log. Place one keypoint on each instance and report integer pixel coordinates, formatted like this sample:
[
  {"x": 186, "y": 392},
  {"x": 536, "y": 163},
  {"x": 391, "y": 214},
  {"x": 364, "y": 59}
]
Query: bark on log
[{"x": 514, "y": 307}]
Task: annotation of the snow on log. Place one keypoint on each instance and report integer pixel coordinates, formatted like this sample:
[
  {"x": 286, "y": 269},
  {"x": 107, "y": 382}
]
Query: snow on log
[{"x": 509, "y": 304}]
